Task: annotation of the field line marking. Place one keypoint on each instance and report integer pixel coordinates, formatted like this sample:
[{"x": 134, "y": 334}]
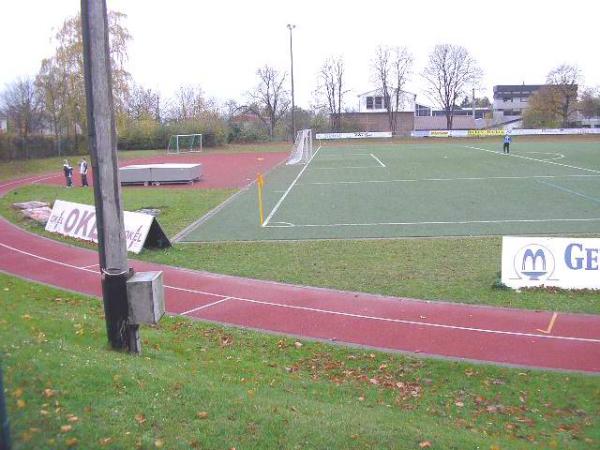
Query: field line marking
[
  {"x": 461, "y": 222},
  {"x": 377, "y": 159},
  {"x": 534, "y": 159},
  {"x": 326, "y": 311},
  {"x": 412, "y": 180},
  {"x": 579, "y": 194},
  {"x": 548, "y": 330},
  {"x": 278, "y": 204},
  {"x": 415, "y": 322},
  {"x": 346, "y": 167},
  {"x": 204, "y": 306}
]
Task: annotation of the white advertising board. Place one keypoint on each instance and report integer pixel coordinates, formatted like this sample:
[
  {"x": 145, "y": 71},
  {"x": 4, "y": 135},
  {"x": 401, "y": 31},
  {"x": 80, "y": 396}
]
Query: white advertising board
[
  {"x": 358, "y": 135},
  {"x": 79, "y": 221},
  {"x": 568, "y": 263},
  {"x": 501, "y": 132}
]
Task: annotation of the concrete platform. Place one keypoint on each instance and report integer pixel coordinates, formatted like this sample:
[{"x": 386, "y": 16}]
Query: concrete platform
[{"x": 156, "y": 174}]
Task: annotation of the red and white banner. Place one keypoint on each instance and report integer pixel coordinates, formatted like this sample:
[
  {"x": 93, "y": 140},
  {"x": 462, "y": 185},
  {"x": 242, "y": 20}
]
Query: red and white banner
[{"x": 79, "y": 221}]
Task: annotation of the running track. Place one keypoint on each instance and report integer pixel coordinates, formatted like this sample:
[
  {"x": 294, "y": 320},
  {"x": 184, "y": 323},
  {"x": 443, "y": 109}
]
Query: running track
[{"x": 498, "y": 335}]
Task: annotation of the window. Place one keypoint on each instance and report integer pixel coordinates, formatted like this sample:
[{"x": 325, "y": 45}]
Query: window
[
  {"x": 369, "y": 102},
  {"x": 378, "y": 102}
]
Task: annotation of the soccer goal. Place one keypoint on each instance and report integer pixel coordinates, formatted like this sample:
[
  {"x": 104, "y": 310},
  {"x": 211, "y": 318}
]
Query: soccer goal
[
  {"x": 184, "y": 143},
  {"x": 303, "y": 148}
]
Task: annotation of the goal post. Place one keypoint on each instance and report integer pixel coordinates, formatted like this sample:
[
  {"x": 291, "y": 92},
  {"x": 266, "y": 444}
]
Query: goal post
[
  {"x": 302, "y": 150},
  {"x": 184, "y": 143}
]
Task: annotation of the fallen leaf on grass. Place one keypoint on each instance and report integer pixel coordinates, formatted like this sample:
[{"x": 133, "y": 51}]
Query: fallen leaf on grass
[
  {"x": 65, "y": 428},
  {"x": 459, "y": 404},
  {"x": 26, "y": 317},
  {"x": 72, "y": 442},
  {"x": 105, "y": 441},
  {"x": 425, "y": 444},
  {"x": 298, "y": 344},
  {"x": 140, "y": 418},
  {"x": 17, "y": 393},
  {"x": 49, "y": 393},
  {"x": 159, "y": 443},
  {"x": 202, "y": 415},
  {"x": 21, "y": 403}
]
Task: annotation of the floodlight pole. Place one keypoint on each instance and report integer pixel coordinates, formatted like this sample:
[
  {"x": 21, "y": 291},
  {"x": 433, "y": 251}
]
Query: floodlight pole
[
  {"x": 102, "y": 141},
  {"x": 291, "y": 27}
]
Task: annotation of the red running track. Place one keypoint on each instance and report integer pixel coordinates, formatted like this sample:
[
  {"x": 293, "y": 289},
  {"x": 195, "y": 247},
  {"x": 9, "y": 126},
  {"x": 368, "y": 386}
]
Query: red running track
[
  {"x": 219, "y": 170},
  {"x": 498, "y": 335}
]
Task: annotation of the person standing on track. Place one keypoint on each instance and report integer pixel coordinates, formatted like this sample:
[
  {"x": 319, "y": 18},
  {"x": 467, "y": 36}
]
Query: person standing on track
[
  {"x": 83, "y": 169},
  {"x": 507, "y": 141},
  {"x": 68, "y": 171}
]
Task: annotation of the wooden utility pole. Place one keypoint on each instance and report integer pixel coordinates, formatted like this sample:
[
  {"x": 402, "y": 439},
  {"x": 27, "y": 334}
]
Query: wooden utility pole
[{"x": 102, "y": 141}]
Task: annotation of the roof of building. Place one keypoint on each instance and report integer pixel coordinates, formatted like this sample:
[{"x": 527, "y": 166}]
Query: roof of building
[{"x": 376, "y": 91}]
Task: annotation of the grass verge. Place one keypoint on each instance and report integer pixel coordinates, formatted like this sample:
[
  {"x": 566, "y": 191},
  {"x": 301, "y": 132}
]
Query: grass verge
[{"x": 203, "y": 386}]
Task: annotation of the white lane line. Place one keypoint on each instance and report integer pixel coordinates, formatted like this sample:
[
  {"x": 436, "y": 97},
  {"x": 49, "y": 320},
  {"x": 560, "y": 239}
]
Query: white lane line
[
  {"x": 278, "y": 204},
  {"x": 461, "y": 222},
  {"x": 90, "y": 266},
  {"x": 414, "y": 322},
  {"x": 340, "y": 313},
  {"x": 204, "y": 306},
  {"x": 377, "y": 159},
  {"x": 21, "y": 180},
  {"x": 579, "y": 194},
  {"x": 346, "y": 167},
  {"x": 413, "y": 180},
  {"x": 535, "y": 159}
]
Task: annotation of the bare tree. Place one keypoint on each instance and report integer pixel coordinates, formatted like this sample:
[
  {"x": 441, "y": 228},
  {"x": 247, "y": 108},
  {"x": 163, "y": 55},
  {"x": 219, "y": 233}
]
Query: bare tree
[
  {"x": 391, "y": 69},
  {"x": 269, "y": 100},
  {"x": 51, "y": 83},
  {"x": 188, "y": 103},
  {"x": 449, "y": 73},
  {"x": 143, "y": 104},
  {"x": 563, "y": 80},
  {"x": 331, "y": 86},
  {"x": 590, "y": 103},
  {"x": 22, "y": 105}
]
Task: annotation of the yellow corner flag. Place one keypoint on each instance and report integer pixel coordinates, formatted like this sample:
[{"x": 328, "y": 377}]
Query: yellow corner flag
[{"x": 260, "y": 182}]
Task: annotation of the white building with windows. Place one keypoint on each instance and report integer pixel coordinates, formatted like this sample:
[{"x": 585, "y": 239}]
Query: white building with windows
[{"x": 374, "y": 102}]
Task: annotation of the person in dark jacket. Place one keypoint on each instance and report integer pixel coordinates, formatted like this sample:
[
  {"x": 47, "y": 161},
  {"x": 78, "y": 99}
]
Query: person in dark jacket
[{"x": 68, "y": 171}]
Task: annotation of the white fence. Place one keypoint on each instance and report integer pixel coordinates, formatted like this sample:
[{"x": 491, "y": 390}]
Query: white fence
[
  {"x": 358, "y": 135},
  {"x": 501, "y": 132}
]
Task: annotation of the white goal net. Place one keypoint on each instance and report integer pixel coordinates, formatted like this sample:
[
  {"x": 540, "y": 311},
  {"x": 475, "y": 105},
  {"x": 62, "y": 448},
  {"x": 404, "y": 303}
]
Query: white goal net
[
  {"x": 303, "y": 148},
  {"x": 184, "y": 143}
]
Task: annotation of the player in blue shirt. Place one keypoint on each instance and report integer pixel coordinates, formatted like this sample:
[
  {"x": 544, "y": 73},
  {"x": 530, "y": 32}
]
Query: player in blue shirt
[{"x": 507, "y": 141}]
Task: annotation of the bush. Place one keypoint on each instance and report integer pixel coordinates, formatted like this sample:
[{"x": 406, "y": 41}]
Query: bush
[
  {"x": 148, "y": 134},
  {"x": 14, "y": 147}
]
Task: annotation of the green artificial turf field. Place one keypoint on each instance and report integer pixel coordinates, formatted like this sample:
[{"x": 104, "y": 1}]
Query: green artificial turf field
[{"x": 451, "y": 188}]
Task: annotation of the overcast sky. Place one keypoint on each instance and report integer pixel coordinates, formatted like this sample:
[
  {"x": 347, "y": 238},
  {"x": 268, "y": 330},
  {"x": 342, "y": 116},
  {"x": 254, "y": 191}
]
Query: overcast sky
[{"x": 219, "y": 44}]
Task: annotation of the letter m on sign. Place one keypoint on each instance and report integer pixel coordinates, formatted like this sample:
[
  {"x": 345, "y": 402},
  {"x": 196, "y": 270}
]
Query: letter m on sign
[{"x": 533, "y": 257}]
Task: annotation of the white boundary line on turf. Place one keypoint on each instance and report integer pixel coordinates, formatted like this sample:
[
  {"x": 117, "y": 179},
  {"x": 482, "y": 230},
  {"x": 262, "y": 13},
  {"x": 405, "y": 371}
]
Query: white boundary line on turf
[
  {"x": 377, "y": 159},
  {"x": 347, "y": 167},
  {"x": 412, "y": 180},
  {"x": 462, "y": 222},
  {"x": 579, "y": 194},
  {"x": 278, "y": 204},
  {"x": 533, "y": 159},
  {"x": 332, "y": 312}
]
